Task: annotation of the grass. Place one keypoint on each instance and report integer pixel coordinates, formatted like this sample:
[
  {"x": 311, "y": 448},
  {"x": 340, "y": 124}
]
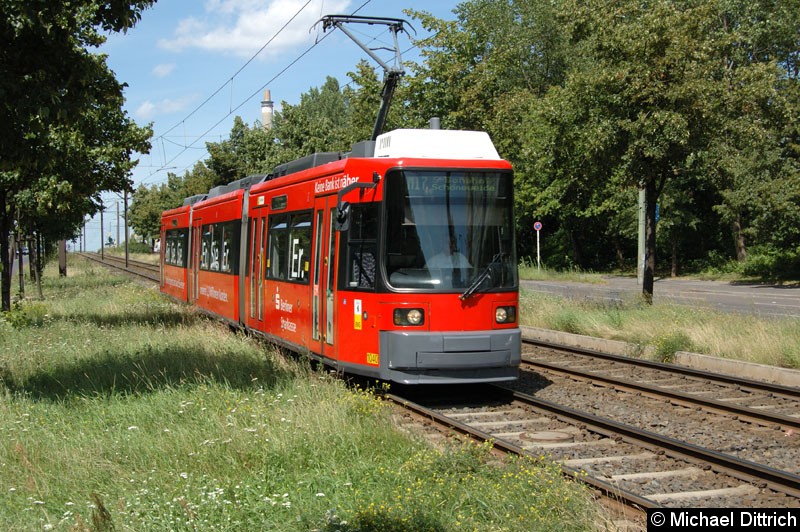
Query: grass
[
  {"x": 121, "y": 410},
  {"x": 670, "y": 328},
  {"x": 528, "y": 270}
]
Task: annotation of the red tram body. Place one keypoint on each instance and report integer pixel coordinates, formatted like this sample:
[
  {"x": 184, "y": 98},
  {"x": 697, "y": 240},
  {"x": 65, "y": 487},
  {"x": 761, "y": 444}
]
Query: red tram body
[{"x": 395, "y": 261}]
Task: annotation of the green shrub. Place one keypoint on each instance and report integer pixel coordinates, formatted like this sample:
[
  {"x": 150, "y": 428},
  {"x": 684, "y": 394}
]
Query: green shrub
[
  {"x": 772, "y": 264},
  {"x": 667, "y": 345},
  {"x": 25, "y": 314},
  {"x": 567, "y": 321}
]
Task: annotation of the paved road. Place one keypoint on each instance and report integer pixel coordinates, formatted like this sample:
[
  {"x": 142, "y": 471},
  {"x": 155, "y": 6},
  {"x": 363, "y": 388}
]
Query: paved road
[{"x": 760, "y": 299}]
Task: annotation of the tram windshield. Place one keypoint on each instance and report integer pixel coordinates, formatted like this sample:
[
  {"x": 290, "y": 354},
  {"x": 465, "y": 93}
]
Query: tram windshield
[{"x": 450, "y": 231}]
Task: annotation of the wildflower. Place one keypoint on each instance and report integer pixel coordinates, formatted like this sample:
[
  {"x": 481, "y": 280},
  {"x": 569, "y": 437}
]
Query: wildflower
[
  {"x": 320, "y": 494},
  {"x": 184, "y": 475}
]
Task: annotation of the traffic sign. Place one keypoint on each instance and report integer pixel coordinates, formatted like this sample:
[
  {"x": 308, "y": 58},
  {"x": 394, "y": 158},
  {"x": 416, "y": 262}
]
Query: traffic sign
[{"x": 537, "y": 226}]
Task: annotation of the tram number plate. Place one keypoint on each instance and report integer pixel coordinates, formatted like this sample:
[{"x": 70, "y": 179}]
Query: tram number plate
[{"x": 373, "y": 359}]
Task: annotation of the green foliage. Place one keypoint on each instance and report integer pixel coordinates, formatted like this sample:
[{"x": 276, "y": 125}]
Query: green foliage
[
  {"x": 667, "y": 345},
  {"x": 150, "y": 202},
  {"x": 26, "y": 314},
  {"x": 772, "y": 265},
  {"x": 696, "y": 101},
  {"x": 567, "y": 320},
  {"x": 65, "y": 136}
]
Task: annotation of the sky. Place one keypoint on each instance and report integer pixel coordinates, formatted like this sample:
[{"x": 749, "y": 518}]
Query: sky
[{"x": 191, "y": 67}]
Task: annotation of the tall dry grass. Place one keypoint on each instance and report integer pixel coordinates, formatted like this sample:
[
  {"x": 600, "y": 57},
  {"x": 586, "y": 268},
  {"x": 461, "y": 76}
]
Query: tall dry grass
[{"x": 770, "y": 341}]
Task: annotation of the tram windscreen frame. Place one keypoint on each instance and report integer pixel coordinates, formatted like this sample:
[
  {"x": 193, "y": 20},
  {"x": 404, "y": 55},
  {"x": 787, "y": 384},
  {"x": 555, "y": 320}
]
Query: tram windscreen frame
[{"x": 446, "y": 228}]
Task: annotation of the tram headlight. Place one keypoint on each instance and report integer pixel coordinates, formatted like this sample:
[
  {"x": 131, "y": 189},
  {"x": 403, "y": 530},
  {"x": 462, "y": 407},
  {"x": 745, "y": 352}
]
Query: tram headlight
[
  {"x": 505, "y": 314},
  {"x": 409, "y": 316}
]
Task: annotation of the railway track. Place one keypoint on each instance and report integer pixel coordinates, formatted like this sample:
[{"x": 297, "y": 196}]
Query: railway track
[
  {"x": 144, "y": 270},
  {"x": 640, "y": 433},
  {"x": 749, "y": 400},
  {"x": 751, "y": 420}
]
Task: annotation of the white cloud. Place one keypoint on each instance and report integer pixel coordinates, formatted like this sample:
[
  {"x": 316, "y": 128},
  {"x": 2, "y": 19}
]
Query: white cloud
[
  {"x": 163, "y": 70},
  {"x": 148, "y": 110},
  {"x": 241, "y": 27}
]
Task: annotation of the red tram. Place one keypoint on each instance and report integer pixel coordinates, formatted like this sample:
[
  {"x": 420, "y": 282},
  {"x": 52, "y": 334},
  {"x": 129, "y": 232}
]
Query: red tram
[{"x": 396, "y": 260}]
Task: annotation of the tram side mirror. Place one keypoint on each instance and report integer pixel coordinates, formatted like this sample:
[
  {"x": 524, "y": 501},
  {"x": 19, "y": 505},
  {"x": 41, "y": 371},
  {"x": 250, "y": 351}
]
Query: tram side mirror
[{"x": 343, "y": 217}]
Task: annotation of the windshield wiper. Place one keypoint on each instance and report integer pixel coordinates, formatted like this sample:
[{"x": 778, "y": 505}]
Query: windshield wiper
[{"x": 485, "y": 274}]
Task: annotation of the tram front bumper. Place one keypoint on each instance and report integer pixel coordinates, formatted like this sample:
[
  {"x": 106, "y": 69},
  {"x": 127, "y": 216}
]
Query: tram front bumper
[{"x": 451, "y": 357}]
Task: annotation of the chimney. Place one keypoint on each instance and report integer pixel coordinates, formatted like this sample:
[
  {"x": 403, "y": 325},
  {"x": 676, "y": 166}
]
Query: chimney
[{"x": 267, "y": 111}]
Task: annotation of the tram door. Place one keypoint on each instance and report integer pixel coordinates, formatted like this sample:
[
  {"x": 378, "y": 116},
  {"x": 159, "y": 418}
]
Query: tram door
[
  {"x": 258, "y": 243},
  {"x": 323, "y": 281},
  {"x": 194, "y": 259}
]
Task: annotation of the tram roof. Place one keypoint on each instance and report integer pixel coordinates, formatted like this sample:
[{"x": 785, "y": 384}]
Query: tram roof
[
  {"x": 436, "y": 144},
  {"x": 411, "y": 143}
]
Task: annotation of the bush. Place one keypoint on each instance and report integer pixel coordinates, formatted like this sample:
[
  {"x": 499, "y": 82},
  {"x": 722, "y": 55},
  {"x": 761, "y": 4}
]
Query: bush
[
  {"x": 772, "y": 264},
  {"x": 567, "y": 321},
  {"x": 26, "y": 315},
  {"x": 667, "y": 345}
]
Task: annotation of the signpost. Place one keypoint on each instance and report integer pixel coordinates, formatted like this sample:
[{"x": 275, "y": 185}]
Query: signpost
[{"x": 537, "y": 226}]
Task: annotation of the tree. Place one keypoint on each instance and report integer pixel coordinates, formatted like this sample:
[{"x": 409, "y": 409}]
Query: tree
[
  {"x": 63, "y": 134},
  {"x": 318, "y": 123},
  {"x": 149, "y": 202},
  {"x": 485, "y": 70},
  {"x": 648, "y": 102}
]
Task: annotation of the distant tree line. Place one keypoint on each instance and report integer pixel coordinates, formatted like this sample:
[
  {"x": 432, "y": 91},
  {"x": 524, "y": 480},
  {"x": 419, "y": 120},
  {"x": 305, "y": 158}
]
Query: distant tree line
[{"x": 697, "y": 102}]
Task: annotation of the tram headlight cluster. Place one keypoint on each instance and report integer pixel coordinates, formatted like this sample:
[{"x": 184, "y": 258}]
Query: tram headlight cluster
[
  {"x": 409, "y": 316},
  {"x": 505, "y": 314}
]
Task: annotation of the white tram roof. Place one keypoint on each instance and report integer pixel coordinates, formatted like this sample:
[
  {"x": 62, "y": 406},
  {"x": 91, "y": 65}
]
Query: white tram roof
[{"x": 435, "y": 144}]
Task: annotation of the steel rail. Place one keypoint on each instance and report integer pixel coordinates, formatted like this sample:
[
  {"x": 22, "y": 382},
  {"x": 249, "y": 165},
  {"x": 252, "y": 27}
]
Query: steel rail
[
  {"x": 781, "y": 481},
  {"x": 742, "y": 382},
  {"x": 133, "y": 262},
  {"x": 152, "y": 271},
  {"x": 686, "y": 399}
]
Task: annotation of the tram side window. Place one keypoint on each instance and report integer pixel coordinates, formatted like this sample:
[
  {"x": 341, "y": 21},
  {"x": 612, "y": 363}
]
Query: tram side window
[
  {"x": 208, "y": 249},
  {"x": 362, "y": 246},
  {"x": 278, "y": 238},
  {"x": 289, "y": 247},
  {"x": 300, "y": 247},
  {"x": 219, "y": 247},
  {"x": 175, "y": 252}
]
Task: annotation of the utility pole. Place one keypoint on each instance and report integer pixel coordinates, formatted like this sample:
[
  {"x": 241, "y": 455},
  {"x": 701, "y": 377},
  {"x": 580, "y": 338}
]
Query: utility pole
[
  {"x": 102, "y": 228},
  {"x": 118, "y": 224},
  {"x": 126, "y": 228},
  {"x": 641, "y": 254}
]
